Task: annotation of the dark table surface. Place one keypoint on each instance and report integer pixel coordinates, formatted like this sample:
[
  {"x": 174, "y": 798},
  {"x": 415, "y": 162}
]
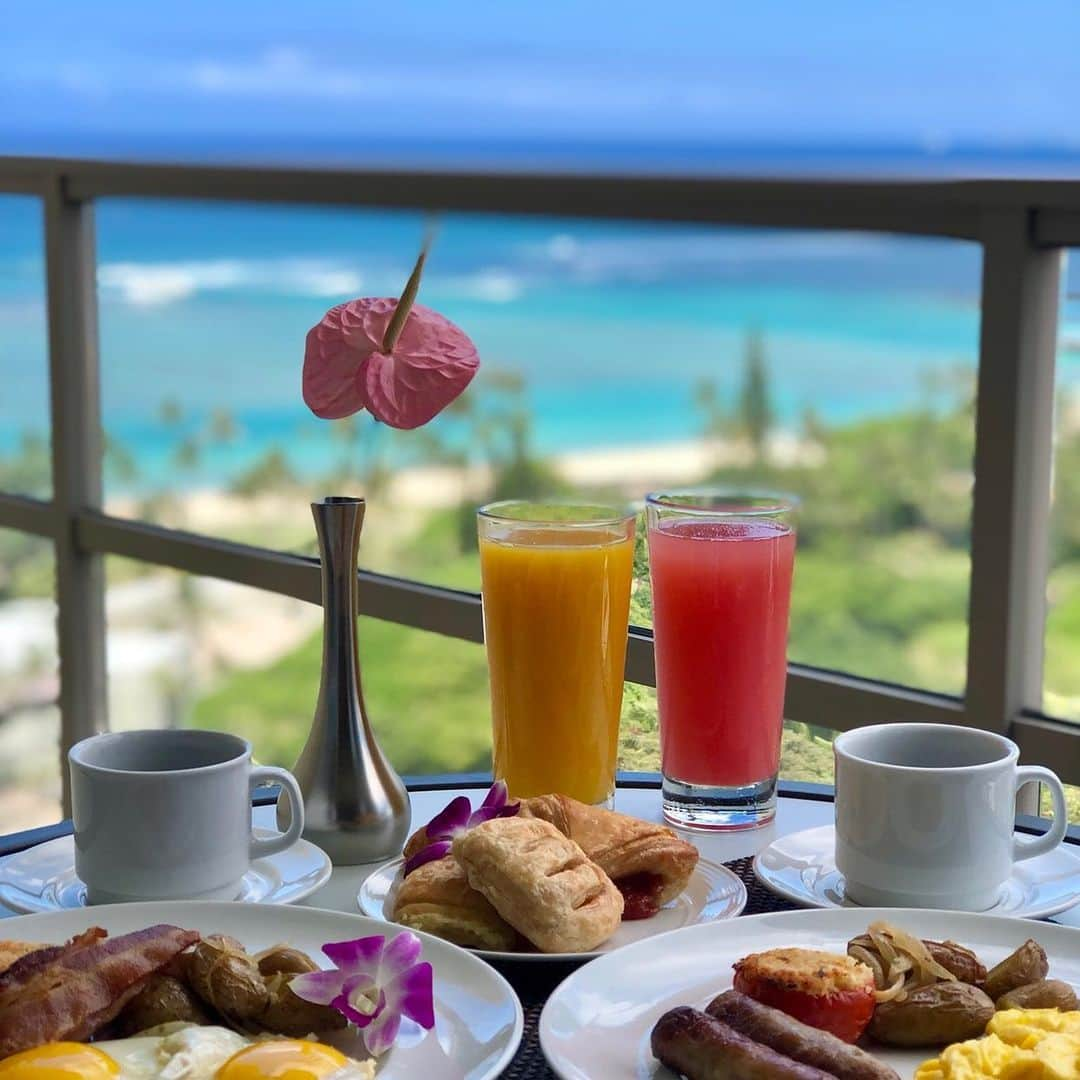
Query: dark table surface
[{"x": 533, "y": 982}]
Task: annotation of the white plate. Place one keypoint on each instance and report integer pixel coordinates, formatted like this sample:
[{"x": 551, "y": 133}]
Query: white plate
[
  {"x": 801, "y": 868},
  {"x": 478, "y": 1018},
  {"x": 598, "y": 1021},
  {"x": 713, "y": 892},
  {"x": 42, "y": 878}
]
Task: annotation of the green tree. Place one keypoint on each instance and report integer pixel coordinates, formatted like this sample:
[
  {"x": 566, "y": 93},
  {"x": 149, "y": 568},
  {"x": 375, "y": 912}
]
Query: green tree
[
  {"x": 120, "y": 461},
  {"x": 170, "y": 412},
  {"x": 521, "y": 474},
  {"x": 187, "y": 453},
  {"x": 814, "y": 428},
  {"x": 28, "y": 470},
  {"x": 222, "y": 428},
  {"x": 716, "y": 421},
  {"x": 756, "y": 415},
  {"x": 272, "y": 472},
  {"x": 363, "y": 464}
]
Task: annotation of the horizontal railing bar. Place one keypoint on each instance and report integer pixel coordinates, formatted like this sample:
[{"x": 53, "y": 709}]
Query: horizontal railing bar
[
  {"x": 243, "y": 564},
  {"x": 17, "y": 182},
  {"x": 815, "y": 696},
  {"x": 27, "y": 515},
  {"x": 834, "y": 700},
  {"x": 939, "y": 208},
  {"x": 1044, "y": 740},
  {"x": 1056, "y": 227},
  {"x": 411, "y": 603},
  {"x": 936, "y": 208}
]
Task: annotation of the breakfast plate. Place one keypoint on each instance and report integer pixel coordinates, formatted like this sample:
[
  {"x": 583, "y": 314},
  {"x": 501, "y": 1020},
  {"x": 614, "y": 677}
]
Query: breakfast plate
[
  {"x": 801, "y": 868},
  {"x": 478, "y": 1018},
  {"x": 598, "y": 1022},
  {"x": 713, "y": 893},
  {"x": 42, "y": 878}
]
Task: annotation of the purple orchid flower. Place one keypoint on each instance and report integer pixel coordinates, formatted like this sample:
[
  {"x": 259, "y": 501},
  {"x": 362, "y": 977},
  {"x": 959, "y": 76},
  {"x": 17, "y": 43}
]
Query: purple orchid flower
[
  {"x": 373, "y": 985},
  {"x": 458, "y": 817}
]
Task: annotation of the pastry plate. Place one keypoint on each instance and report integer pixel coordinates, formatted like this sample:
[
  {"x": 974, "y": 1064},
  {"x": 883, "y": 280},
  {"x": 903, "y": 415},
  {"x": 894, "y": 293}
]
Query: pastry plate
[
  {"x": 598, "y": 1021},
  {"x": 801, "y": 868},
  {"x": 713, "y": 893},
  {"x": 478, "y": 1018},
  {"x": 42, "y": 878}
]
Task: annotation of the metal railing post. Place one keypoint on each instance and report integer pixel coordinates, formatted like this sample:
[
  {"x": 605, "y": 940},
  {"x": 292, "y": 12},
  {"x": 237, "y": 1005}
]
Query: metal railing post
[
  {"x": 1013, "y": 456},
  {"x": 75, "y": 414}
]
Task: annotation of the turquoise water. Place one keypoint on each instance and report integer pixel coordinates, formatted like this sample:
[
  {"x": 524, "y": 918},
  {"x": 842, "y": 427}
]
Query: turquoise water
[{"x": 610, "y": 325}]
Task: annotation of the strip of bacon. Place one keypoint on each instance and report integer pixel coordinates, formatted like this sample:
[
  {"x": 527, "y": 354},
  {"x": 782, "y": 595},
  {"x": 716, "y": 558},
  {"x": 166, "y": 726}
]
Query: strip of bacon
[
  {"x": 67, "y": 992},
  {"x": 15, "y": 976}
]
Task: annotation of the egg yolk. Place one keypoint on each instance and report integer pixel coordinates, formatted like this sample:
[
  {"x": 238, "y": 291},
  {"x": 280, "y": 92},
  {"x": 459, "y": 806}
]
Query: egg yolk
[
  {"x": 59, "y": 1061},
  {"x": 282, "y": 1059}
]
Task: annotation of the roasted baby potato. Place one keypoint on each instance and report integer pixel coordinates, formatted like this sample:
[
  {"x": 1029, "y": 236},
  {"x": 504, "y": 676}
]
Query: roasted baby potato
[
  {"x": 1044, "y": 994},
  {"x": 1027, "y": 965},
  {"x": 957, "y": 960},
  {"x": 945, "y": 1012},
  {"x": 290, "y": 1015},
  {"x": 161, "y": 1000},
  {"x": 226, "y": 978},
  {"x": 284, "y": 960}
]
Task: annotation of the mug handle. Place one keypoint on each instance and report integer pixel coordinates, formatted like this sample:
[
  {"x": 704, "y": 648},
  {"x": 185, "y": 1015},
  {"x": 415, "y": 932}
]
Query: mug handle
[
  {"x": 260, "y": 776},
  {"x": 1028, "y": 847}
]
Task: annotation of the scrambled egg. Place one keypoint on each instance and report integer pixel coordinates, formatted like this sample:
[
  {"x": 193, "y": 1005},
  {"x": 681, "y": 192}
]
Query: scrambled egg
[{"x": 1020, "y": 1044}]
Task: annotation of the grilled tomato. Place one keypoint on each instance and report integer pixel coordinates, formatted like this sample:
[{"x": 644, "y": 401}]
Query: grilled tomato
[{"x": 830, "y": 992}]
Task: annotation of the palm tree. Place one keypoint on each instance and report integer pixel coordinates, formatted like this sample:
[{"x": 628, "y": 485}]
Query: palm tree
[{"x": 755, "y": 400}]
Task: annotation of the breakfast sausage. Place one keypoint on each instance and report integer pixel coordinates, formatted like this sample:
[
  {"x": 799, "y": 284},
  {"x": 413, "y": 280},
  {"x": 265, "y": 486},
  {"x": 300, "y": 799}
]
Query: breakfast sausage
[
  {"x": 958, "y": 961},
  {"x": 700, "y": 1047},
  {"x": 796, "y": 1040}
]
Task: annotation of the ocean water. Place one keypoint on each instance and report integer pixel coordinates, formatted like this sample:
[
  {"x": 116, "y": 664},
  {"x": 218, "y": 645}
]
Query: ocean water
[{"x": 610, "y": 325}]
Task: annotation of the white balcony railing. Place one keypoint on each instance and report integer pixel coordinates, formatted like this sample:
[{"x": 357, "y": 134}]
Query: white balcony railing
[{"x": 1022, "y": 227}]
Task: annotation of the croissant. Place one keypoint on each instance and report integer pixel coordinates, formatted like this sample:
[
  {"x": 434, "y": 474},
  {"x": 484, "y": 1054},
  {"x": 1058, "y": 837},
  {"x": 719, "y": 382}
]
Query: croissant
[
  {"x": 541, "y": 882},
  {"x": 649, "y": 864},
  {"x": 438, "y": 899}
]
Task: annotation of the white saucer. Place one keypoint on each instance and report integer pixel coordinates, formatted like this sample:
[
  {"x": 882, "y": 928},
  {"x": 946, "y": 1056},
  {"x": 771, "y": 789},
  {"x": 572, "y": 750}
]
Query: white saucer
[
  {"x": 801, "y": 868},
  {"x": 713, "y": 893},
  {"x": 42, "y": 878}
]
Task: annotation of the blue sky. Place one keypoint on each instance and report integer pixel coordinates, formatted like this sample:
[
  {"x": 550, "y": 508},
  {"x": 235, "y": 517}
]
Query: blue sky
[{"x": 851, "y": 71}]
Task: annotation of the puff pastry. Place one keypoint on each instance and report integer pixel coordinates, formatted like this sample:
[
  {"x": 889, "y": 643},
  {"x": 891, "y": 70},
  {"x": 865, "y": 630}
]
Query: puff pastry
[
  {"x": 437, "y": 898},
  {"x": 648, "y": 863},
  {"x": 417, "y": 842},
  {"x": 541, "y": 883}
]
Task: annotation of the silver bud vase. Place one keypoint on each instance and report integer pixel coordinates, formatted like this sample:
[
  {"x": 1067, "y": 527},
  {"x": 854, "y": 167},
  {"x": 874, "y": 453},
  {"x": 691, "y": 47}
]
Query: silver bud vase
[{"x": 356, "y": 807}]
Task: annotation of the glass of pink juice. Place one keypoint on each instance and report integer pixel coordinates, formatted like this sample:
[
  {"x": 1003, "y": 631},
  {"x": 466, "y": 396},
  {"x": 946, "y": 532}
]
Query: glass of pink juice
[{"x": 721, "y": 568}]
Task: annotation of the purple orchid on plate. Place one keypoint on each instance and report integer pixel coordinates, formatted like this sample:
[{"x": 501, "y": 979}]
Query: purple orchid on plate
[
  {"x": 373, "y": 984},
  {"x": 458, "y": 817}
]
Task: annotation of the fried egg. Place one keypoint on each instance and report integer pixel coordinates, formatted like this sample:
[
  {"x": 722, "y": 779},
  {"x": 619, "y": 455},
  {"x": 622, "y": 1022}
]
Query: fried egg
[
  {"x": 293, "y": 1059},
  {"x": 185, "y": 1052}
]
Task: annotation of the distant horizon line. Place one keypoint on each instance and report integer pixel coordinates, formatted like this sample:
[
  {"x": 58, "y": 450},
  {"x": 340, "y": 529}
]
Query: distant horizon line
[{"x": 13, "y": 141}]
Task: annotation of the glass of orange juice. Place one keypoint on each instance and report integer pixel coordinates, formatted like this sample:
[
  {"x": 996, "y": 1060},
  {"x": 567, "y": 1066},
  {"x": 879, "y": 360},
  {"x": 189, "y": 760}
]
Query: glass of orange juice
[{"x": 556, "y": 587}]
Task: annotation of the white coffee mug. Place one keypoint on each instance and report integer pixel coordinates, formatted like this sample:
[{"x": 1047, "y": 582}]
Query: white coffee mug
[
  {"x": 925, "y": 815},
  {"x": 166, "y": 815}
]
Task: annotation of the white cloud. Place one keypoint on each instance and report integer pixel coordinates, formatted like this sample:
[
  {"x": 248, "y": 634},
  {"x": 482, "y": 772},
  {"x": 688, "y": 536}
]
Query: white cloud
[
  {"x": 150, "y": 284},
  {"x": 286, "y": 73}
]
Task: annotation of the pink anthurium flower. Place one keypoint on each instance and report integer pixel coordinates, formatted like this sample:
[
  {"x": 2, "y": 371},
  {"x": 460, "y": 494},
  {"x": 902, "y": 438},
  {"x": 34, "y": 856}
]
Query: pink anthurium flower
[
  {"x": 401, "y": 361},
  {"x": 457, "y": 817},
  {"x": 373, "y": 985}
]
